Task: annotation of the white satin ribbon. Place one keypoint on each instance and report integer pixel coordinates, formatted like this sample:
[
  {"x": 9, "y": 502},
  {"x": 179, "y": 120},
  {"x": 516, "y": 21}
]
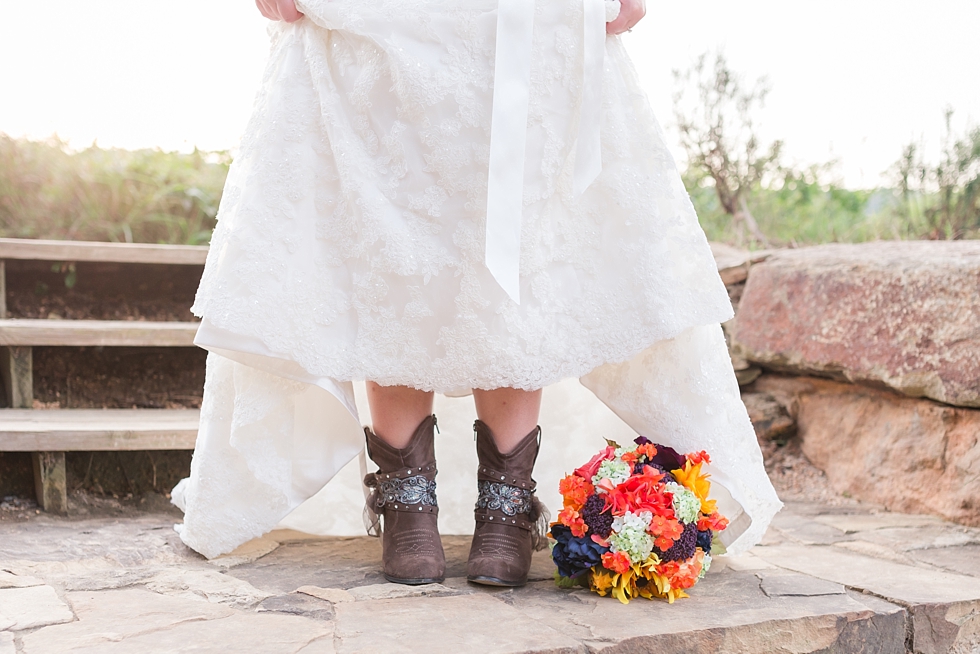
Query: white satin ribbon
[{"x": 508, "y": 130}]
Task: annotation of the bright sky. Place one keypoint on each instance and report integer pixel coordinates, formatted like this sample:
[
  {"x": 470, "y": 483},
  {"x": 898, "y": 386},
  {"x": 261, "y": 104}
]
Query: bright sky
[{"x": 853, "y": 80}]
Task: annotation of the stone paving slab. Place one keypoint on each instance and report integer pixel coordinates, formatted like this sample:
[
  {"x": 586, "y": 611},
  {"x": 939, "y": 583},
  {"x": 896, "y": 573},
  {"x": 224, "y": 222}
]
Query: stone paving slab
[
  {"x": 825, "y": 579},
  {"x": 34, "y": 606},
  {"x": 895, "y": 582},
  {"x": 10, "y": 580},
  {"x": 964, "y": 559}
]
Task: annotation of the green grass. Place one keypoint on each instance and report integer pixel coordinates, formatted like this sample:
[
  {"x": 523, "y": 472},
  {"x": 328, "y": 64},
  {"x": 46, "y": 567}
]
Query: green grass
[
  {"x": 148, "y": 196},
  {"x": 800, "y": 210}
]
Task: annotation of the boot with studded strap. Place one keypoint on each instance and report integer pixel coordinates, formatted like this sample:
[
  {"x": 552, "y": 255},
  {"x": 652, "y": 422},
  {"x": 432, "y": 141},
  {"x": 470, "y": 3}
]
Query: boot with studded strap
[
  {"x": 507, "y": 511},
  {"x": 404, "y": 495}
]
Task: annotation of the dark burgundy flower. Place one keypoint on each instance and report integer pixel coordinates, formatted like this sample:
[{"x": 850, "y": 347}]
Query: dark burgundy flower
[
  {"x": 642, "y": 440},
  {"x": 592, "y": 513},
  {"x": 574, "y": 556},
  {"x": 683, "y": 547},
  {"x": 668, "y": 458}
]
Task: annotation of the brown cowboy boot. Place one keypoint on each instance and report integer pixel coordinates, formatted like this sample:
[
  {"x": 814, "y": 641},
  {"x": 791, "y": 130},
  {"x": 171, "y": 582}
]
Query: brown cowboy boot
[
  {"x": 506, "y": 512},
  {"x": 404, "y": 492}
]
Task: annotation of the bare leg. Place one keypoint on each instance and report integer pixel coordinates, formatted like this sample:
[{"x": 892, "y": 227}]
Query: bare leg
[
  {"x": 511, "y": 414},
  {"x": 397, "y": 411}
]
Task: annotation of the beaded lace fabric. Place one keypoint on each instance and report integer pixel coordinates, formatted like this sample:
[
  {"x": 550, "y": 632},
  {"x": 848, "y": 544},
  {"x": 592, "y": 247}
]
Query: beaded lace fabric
[{"x": 350, "y": 246}]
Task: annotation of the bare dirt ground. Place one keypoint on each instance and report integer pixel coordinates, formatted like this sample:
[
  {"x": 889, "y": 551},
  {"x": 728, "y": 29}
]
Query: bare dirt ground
[
  {"x": 118, "y": 378},
  {"x": 100, "y": 291}
]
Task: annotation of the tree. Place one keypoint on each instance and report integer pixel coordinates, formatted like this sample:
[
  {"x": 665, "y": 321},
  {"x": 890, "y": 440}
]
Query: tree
[
  {"x": 946, "y": 195},
  {"x": 714, "y": 112}
]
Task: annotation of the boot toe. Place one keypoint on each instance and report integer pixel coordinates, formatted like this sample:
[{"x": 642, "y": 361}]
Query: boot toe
[
  {"x": 499, "y": 558},
  {"x": 416, "y": 557}
]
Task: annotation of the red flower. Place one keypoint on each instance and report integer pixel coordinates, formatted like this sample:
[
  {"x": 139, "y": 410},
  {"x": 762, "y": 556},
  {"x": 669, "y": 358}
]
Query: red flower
[
  {"x": 642, "y": 492},
  {"x": 616, "y": 561},
  {"x": 589, "y": 470}
]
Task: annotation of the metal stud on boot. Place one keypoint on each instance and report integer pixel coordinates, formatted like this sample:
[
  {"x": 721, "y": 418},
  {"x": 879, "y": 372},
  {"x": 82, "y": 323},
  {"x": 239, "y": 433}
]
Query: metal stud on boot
[
  {"x": 507, "y": 512},
  {"x": 404, "y": 495}
]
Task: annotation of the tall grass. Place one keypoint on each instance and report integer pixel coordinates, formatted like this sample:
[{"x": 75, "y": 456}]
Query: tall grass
[
  {"x": 147, "y": 196},
  {"x": 798, "y": 209}
]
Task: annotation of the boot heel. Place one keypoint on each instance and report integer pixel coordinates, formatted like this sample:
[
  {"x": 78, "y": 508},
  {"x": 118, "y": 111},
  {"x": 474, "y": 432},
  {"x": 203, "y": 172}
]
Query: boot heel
[
  {"x": 404, "y": 497},
  {"x": 507, "y": 513}
]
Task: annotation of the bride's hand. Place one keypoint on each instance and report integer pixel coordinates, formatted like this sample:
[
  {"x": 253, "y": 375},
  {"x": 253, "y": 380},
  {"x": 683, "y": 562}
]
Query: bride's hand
[
  {"x": 279, "y": 10},
  {"x": 630, "y": 13}
]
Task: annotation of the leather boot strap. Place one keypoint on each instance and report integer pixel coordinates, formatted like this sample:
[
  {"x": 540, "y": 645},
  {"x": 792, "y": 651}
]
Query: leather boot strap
[
  {"x": 504, "y": 499},
  {"x": 412, "y": 490}
]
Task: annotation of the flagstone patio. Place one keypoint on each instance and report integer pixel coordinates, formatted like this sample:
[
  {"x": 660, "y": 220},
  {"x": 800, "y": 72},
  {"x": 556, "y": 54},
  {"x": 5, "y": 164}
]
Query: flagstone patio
[{"x": 826, "y": 579}]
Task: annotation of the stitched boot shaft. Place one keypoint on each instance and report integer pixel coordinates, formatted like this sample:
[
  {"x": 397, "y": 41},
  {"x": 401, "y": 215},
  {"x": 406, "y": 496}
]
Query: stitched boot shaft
[
  {"x": 404, "y": 495},
  {"x": 506, "y": 511}
]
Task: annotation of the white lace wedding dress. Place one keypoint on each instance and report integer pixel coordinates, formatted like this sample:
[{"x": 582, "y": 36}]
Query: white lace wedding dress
[{"x": 351, "y": 246}]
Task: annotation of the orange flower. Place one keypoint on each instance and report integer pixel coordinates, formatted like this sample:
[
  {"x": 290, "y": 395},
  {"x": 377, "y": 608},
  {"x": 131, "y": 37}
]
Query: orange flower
[
  {"x": 571, "y": 519},
  {"x": 698, "y": 457},
  {"x": 714, "y": 522},
  {"x": 618, "y": 562},
  {"x": 648, "y": 450},
  {"x": 575, "y": 490},
  {"x": 683, "y": 574},
  {"x": 630, "y": 457},
  {"x": 665, "y": 531}
]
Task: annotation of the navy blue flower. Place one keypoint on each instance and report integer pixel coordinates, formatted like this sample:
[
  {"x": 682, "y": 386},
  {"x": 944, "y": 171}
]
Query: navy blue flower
[
  {"x": 704, "y": 540},
  {"x": 574, "y": 556}
]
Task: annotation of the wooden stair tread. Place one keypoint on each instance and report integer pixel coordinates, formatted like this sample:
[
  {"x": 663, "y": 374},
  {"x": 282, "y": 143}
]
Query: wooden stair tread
[
  {"x": 50, "y": 250},
  {"x": 64, "y": 430},
  {"x": 111, "y": 333}
]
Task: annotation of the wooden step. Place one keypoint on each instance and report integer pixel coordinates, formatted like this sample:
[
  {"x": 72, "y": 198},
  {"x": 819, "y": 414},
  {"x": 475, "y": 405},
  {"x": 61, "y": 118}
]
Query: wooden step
[
  {"x": 109, "y": 333},
  {"x": 45, "y": 250},
  {"x": 66, "y": 430}
]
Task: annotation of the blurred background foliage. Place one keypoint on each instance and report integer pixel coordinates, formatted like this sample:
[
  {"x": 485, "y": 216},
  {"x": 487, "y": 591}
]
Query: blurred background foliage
[
  {"x": 145, "y": 196},
  {"x": 744, "y": 191},
  {"x": 747, "y": 195}
]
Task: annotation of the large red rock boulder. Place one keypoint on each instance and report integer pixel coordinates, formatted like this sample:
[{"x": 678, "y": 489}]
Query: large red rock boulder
[
  {"x": 909, "y": 455},
  {"x": 900, "y": 314}
]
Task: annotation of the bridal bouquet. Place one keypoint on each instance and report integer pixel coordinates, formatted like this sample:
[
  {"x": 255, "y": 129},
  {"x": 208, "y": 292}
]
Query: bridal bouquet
[{"x": 636, "y": 521}]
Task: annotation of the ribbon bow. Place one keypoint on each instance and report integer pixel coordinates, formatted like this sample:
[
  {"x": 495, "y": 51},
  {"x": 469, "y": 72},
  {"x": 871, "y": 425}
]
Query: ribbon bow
[{"x": 508, "y": 131}]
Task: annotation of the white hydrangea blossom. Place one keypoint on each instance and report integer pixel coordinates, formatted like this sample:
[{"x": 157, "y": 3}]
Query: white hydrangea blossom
[
  {"x": 704, "y": 566},
  {"x": 614, "y": 470},
  {"x": 630, "y": 535},
  {"x": 630, "y": 520},
  {"x": 620, "y": 451},
  {"x": 686, "y": 503}
]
